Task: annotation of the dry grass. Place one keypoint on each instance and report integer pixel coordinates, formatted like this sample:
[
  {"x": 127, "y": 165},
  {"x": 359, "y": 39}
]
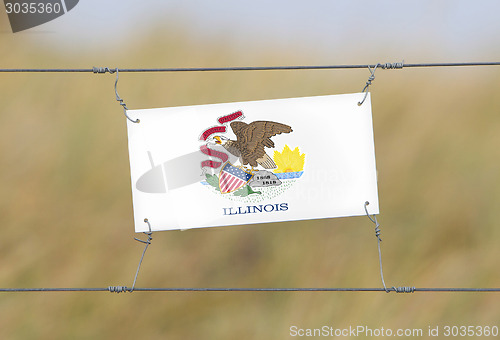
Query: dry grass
[{"x": 66, "y": 213}]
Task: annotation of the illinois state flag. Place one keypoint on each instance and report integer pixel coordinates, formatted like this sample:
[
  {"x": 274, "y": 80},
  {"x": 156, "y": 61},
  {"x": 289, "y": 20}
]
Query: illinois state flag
[{"x": 252, "y": 162}]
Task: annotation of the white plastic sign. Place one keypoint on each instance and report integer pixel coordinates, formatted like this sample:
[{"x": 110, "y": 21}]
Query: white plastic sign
[{"x": 252, "y": 162}]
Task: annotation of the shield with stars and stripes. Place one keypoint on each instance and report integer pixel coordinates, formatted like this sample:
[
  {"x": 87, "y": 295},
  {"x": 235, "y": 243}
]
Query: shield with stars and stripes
[{"x": 232, "y": 178}]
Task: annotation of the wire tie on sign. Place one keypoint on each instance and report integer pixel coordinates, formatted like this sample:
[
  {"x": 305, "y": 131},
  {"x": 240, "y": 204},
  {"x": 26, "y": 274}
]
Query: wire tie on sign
[
  {"x": 377, "y": 234},
  {"x": 368, "y": 83},
  {"x": 102, "y": 70},
  {"x": 373, "y": 218},
  {"x": 385, "y": 66},
  {"x": 118, "y": 99},
  {"x": 122, "y": 289},
  {"x": 148, "y": 233},
  {"x": 147, "y": 243}
]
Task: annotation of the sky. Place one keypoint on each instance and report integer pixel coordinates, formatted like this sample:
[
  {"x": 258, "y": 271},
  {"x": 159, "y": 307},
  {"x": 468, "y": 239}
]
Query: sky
[{"x": 447, "y": 30}]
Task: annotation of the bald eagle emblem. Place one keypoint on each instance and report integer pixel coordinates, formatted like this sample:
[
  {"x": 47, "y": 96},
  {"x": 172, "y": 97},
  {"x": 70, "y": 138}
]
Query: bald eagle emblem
[
  {"x": 246, "y": 166},
  {"x": 251, "y": 139}
]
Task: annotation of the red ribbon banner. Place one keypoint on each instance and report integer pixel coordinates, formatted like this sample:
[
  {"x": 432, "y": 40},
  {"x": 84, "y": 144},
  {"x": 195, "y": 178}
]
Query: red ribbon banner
[
  {"x": 208, "y": 132},
  {"x": 213, "y": 153},
  {"x": 217, "y": 129},
  {"x": 231, "y": 117}
]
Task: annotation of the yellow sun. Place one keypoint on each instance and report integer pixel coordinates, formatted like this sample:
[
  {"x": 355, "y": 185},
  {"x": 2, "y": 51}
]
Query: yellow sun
[{"x": 288, "y": 160}]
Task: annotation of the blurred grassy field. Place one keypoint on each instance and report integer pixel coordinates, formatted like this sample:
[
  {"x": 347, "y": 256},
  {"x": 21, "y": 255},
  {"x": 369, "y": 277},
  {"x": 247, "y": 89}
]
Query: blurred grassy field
[{"x": 66, "y": 211}]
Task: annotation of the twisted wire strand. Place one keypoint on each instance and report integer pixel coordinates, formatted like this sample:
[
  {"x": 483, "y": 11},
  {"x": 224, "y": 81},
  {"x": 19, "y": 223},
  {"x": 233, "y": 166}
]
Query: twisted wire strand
[
  {"x": 392, "y": 66},
  {"x": 123, "y": 289},
  {"x": 118, "y": 99},
  {"x": 118, "y": 289},
  {"x": 404, "y": 289},
  {"x": 377, "y": 234},
  {"x": 147, "y": 242},
  {"x": 368, "y": 83},
  {"x": 379, "y": 239},
  {"x": 102, "y": 70}
]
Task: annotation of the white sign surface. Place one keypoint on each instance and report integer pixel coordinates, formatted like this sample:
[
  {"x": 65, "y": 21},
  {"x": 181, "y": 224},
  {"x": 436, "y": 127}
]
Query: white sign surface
[{"x": 252, "y": 162}]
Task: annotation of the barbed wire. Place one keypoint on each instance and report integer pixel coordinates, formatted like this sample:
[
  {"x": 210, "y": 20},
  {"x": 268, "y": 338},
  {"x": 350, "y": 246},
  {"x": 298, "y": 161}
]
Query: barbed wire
[{"x": 398, "y": 65}]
